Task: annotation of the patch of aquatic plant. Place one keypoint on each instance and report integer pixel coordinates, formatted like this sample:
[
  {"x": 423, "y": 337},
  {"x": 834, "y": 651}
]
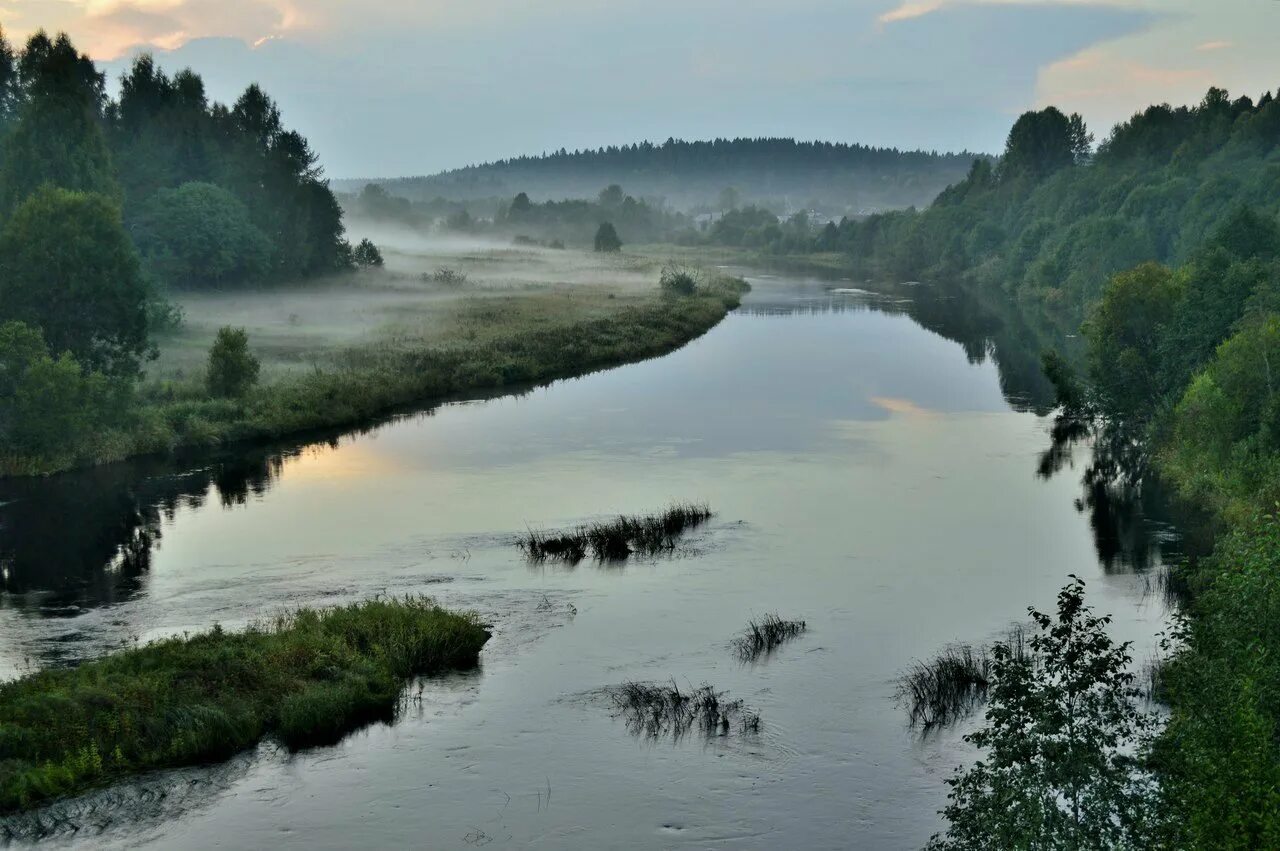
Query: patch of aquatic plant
[
  {"x": 655, "y": 710},
  {"x": 303, "y": 678},
  {"x": 614, "y": 540},
  {"x": 947, "y": 687},
  {"x": 763, "y": 636}
]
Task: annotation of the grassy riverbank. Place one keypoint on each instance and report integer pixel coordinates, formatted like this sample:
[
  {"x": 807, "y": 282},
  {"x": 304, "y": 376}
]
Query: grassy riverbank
[
  {"x": 306, "y": 678},
  {"x": 343, "y": 352}
]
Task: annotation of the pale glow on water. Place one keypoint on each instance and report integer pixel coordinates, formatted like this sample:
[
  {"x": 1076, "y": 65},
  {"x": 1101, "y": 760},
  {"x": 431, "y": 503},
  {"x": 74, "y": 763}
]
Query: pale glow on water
[{"x": 867, "y": 477}]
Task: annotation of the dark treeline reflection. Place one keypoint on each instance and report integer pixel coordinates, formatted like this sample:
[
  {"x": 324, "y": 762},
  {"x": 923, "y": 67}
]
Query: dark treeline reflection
[
  {"x": 1129, "y": 512},
  {"x": 86, "y": 538}
]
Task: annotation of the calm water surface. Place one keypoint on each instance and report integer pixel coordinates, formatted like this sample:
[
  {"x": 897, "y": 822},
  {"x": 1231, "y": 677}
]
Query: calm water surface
[{"x": 868, "y": 474}]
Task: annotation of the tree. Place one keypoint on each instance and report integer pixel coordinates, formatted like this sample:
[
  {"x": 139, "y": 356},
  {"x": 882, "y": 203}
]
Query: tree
[
  {"x": 58, "y": 139},
  {"x": 611, "y": 196},
  {"x": 729, "y": 199},
  {"x": 607, "y": 240},
  {"x": 1062, "y": 725},
  {"x": 367, "y": 255},
  {"x": 1041, "y": 143},
  {"x": 1125, "y": 332},
  {"x": 48, "y": 405},
  {"x": 200, "y": 235},
  {"x": 233, "y": 370},
  {"x": 67, "y": 267}
]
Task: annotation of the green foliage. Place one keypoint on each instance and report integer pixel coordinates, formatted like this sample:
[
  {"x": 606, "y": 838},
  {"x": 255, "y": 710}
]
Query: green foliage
[
  {"x": 1217, "y": 757},
  {"x": 1043, "y": 142},
  {"x": 48, "y": 404},
  {"x": 200, "y": 235},
  {"x": 607, "y": 240},
  {"x": 68, "y": 268},
  {"x": 367, "y": 255},
  {"x": 58, "y": 138},
  {"x": 233, "y": 370},
  {"x": 1058, "y": 769},
  {"x": 1124, "y": 332},
  {"x": 304, "y": 678}
]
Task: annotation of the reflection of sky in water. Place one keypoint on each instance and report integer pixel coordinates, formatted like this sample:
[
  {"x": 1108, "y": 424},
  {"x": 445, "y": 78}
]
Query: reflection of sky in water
[
  {"x": 760, "y": 384},
  {"x": 866, "y": 475}
]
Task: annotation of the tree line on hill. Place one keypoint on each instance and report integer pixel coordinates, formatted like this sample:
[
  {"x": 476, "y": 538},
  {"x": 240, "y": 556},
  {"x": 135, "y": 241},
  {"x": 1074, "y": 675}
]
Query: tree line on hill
[{"x": 692, "y": 176}]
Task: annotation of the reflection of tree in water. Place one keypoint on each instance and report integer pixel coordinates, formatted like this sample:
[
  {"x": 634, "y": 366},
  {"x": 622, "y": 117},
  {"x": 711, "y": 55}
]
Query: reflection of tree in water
[
  {"x": 86, "y": 538},
  {"x": 1129, "y": 512},
  {"x": 1127, "y": 508}
]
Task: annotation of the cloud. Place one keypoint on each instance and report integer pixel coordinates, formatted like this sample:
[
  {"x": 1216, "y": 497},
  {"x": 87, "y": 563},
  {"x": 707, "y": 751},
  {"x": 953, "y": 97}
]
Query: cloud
[
  {"x": 910, "y": 10},
  {"x": 1213, "y": 45}
]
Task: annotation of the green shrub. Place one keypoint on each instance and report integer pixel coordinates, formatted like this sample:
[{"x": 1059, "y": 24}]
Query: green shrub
[{"x": 233, "y": 370}]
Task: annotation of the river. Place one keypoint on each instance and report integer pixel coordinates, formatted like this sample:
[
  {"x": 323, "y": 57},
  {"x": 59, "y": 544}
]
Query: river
[{"x": 872, "y": 461}]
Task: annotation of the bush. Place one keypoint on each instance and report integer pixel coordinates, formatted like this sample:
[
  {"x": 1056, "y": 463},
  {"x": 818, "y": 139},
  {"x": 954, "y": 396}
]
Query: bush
[
  {"x": 49, "y": 406},
  {"x": 607, "y": 239},
  {"x": 367, "y": 255},
  {"x": 678, "y": 280},
  {"x": 233, "y": 370}
]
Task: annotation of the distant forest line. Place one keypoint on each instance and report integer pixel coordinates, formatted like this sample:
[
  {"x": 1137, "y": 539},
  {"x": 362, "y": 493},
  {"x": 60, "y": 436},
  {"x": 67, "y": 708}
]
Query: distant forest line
[{"x": 832, "y": 178}]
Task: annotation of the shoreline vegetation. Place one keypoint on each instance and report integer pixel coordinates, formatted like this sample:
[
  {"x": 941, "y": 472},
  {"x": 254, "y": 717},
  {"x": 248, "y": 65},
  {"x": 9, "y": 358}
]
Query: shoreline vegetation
[
  {"x": 497, "y": 339},
  {"x": 305, "y": 678}
]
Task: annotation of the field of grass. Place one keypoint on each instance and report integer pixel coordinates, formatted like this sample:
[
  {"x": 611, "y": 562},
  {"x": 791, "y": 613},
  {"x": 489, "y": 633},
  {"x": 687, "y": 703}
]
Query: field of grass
[
  {"x": 306, "y": 678},
  {"x": 345, "y": 351}
]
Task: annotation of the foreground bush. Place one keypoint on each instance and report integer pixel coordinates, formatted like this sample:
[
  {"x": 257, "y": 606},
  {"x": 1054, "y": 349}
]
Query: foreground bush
[{"x": 305, "y": 678}]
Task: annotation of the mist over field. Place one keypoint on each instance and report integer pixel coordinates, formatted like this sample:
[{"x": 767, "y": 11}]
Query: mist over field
[{"x": 401, "y": 444}]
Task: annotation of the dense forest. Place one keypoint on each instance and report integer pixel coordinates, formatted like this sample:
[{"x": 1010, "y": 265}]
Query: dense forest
[
  {"x": 106, "y": 205},
  {"x": 1163, "y": 247},
  {"x": 832, "y": 178}
]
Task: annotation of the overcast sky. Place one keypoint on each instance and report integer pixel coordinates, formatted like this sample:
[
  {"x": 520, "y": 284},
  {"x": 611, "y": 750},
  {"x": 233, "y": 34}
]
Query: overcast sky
[{"x": 395, "y": 87}]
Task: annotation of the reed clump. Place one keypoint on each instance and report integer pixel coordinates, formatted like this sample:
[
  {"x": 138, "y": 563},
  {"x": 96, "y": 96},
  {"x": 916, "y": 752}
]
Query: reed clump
[
  {"x": 940, "y": 691},
  {"x": 617, "y": 539},
  {"x": 655, "y": 710},
  {"x": 763, "y": 636},
  {"x": 304, "y": 678}
]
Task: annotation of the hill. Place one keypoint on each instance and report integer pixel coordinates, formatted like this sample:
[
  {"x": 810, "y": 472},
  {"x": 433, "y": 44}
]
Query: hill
[{"x": 835, "y": 178}]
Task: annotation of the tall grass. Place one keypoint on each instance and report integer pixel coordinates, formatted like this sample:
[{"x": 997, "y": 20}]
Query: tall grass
[
  {"x": 942, "y": 690},
  {"x": 654, "y": 710},
  {"x": 614, "y": 540},
  {"x": 763, "y": 636},
  {"x": 305, "y": 678}
]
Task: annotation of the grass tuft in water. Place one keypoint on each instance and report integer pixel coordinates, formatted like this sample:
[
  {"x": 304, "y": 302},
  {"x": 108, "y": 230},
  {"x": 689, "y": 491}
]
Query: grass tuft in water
[
  {"x": 304, "y": 678},
  {"x": 946, "y": 688},
  {"x": 765, "y": 635},
  {"x": 650, "y": 534},
  {"x": 654, "y": 710}
]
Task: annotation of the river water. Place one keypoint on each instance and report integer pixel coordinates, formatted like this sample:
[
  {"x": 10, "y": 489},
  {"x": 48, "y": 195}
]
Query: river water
[{"x": 872, "y": 461}]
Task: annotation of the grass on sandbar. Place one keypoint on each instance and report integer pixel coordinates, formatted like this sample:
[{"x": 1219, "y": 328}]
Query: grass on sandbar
[
  {"x": 649, "y": 534},
  {"x": 304, "y": 678}
]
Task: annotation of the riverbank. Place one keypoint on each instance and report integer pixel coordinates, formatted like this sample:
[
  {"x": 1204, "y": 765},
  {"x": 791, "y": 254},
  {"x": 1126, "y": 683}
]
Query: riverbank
[
  {"x": 344, "y": 352},
  {"x": 305, "y": 678}
]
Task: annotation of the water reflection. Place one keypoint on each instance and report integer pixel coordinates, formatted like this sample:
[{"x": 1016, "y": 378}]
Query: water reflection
[{"x": 85, "y": 540}]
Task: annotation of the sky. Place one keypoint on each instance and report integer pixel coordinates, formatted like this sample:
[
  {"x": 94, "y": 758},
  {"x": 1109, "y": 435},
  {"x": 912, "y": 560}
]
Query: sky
[{"x": 402, "y": 87}]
